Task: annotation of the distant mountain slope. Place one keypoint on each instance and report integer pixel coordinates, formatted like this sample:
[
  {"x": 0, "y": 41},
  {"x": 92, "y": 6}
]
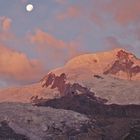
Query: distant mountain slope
[{"x": 113, "y": 76}]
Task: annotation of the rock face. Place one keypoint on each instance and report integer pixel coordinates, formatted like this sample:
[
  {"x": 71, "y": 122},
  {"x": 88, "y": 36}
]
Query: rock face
[
  {"x": 60, "y": 82},
  {"x": 124, "y": 62},
  {"x": 7, "y": 133},
  {"x": 89, "y": 105},
  {"x": 26, "y": 122},
  {"x": 97, "y": 86},
  {"x": 134, "y": 133},
  {"x": 116, "y": 122}
]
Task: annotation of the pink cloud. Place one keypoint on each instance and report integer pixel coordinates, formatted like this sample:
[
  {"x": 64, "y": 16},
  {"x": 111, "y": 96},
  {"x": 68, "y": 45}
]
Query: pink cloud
[
  {"x": 5, "y": 23},
  {"x": 85, "y": 12},
  {"x": 16, "y": 66},
  {"x": 125, "y": 11},
  {"x": 41, "y": 37},
  {"x": 4, "y": 36},
  {"x": 56, "y": 49},
  {"x": 71, "y": 12}
]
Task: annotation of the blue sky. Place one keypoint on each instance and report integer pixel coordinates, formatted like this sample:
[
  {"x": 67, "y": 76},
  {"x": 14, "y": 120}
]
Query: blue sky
[{"x": 57, "y": 30}]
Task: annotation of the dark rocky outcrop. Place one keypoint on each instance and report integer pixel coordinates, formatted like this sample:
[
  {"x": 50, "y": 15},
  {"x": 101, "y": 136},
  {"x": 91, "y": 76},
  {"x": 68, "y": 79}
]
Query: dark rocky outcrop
[
  {"x": 65, "y": 88},
  {"x": 123, "y": 63},
  {"x": 134, "y": 133},
  {"x": 45, "y": 123},
  {"x": 91, "y": 105},
  {"x": 116, "y": 122},
  {"x": 98, "y": 76},
  {"x": 7, "y": 133}
]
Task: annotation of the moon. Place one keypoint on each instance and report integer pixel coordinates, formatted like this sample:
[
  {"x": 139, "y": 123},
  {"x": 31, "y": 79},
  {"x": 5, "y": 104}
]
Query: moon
[{"x": 29, "y": 7}]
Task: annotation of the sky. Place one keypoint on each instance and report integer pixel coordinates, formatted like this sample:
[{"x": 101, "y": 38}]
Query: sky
[{"x": 33, "y": 43}]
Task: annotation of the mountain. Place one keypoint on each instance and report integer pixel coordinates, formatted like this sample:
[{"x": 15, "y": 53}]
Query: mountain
[
  {"x": 118, "y": 62},
  {"x": 93, "y": 96},
  {"x": 112, "y": 76}
]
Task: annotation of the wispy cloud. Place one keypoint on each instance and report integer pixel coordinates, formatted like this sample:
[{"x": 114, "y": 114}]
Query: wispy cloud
[
  {"x": 5, "y": 23},
  {"x": 5, "y": 26},
  {"x": 70, "y": 12},
  {"x": 55, "y": 49},
  {"x": 124, "y": 11}
]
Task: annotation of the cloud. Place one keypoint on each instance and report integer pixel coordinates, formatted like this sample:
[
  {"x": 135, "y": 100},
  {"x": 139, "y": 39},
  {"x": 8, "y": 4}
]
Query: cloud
[
  {"x": 5, "y": 23},
  {"x": 113, "y": 43},
  {"x": 5, "y": 26},
  {"x": 70, "y": 12},
  {"x": 44, "y": 39},
  {"x": 6, "y": 36},
  {"x": 47, "y": 39},
  {"x": 55, "y": 50},
  {"x": 124, "y": 11},
  {"x": 16, "y": 66},
  {"x": 85, "y": 12}
]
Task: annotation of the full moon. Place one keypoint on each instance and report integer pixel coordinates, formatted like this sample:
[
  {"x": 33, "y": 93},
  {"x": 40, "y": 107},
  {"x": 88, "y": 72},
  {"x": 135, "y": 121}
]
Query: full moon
[{"x": 29, "y": 7}]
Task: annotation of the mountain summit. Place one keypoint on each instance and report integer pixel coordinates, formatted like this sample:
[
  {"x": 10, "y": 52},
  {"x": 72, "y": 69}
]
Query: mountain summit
[{"x": 117, "y": 62}]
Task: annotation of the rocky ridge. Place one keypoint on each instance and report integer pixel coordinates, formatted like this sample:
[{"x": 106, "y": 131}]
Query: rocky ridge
[{"x": 26, "y": 122}]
